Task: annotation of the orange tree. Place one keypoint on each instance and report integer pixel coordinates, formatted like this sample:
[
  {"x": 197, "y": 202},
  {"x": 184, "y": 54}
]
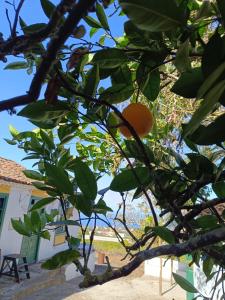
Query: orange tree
[{"x": 171, "y": 57}]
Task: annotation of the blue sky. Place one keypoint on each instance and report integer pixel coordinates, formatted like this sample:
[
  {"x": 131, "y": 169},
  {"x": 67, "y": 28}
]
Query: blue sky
[
  {"x": 17, "y": 82},
  {"x": 14, "y": 83}
]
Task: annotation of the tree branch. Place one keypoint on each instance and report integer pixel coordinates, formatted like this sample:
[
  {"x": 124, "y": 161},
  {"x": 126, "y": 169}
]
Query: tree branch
[
  {"x": 177, "y": 250},
  {"x": 196, "y": 211},
  {"x": 22, "y": 43},
  {"x": 17, "y": 17},
  {"x": 75, "y": 15}
]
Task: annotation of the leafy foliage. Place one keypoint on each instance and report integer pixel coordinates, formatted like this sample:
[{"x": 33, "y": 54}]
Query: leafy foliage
[{"x": 170, "y": 56}]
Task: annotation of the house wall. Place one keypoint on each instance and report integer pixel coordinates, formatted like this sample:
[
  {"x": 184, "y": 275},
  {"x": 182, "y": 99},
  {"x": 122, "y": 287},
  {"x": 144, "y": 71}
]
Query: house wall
[
  {"x": 17, "y": 205},
  {"x": 152, "y": 268},
  {"x": 47, "y": 248},
  {"x": 204, "y": 286}
]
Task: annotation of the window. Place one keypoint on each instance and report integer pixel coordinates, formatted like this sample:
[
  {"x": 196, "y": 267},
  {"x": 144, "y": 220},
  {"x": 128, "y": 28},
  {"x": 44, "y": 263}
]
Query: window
[{"x": 3, "y": 199}]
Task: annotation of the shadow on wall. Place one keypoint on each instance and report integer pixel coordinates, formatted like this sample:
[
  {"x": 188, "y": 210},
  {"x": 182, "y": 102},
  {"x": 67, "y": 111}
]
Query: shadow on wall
[{"x": 204, "y": 286}]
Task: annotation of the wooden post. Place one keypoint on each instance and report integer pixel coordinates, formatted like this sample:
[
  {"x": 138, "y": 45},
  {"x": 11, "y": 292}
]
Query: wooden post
[
  {"x": 160, "y": 277},
  {"x": 171, "y": 275},
  {"x": 160, "y": 273}
]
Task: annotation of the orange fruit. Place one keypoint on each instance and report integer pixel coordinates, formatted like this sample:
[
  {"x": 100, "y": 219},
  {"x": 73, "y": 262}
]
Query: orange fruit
[{"x": 139, "y": 117}]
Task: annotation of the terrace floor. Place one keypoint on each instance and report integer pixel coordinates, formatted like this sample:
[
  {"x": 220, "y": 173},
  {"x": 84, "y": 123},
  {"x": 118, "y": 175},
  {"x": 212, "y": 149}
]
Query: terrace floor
[{"x": 51, "y": 285}]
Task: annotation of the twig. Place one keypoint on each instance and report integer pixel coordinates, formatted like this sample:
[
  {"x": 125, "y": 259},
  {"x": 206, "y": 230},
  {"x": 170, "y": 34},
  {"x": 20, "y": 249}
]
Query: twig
[
  {"x": 9, "y": 21},
  {"x": 13, "y": 33},
  {"x": 57, "y": 41}
]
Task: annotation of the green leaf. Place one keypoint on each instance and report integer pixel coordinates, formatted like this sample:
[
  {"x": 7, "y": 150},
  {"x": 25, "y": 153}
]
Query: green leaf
[
  {"x": 33, "y": 174},
  {"x": 148, "y": 81},
  {"x": 14, "y": 132},
  {"x": 101, "y": 207},
  {"x": 189, "y": 83},
  {"x": 20, "y": 227},
  {"x": 43, "y": 202},
  {"x": 85, "y": 205},
  {"x": 210, "y": 81},
  {"x": 27, "y": 222},
  {"x": 121, "y": 75},
  {"x": 211, "y": 134},
  {"x": 219, "y": 189},
  {"x": 208, "y": 264},
  {"x": 198, "y": 166},
  {"x": 220, "y": 169},
  {"x": 179, "y": 159},
  {"x": 46, "y": 124},
  {"x": 42, "y": 111},
  {"x": 59, "y": 178},
  {"x": 221, "y": 6},
  {"x": 66, "y": 133},
  {"x": 206, "y": 222},
  {"x": 204, "y": 11},
  {"x": 213, "y": 54},
  {"x": 74, "y": 242},
  {"x": 151, "y": 15},
  {"x": 34, "y": 28},
  {"x": 93, "y": 31},
  {"x": 182, "y": 60},
  {"x": 109, "y": 58},
  {"x": 45, "y": 235},
  {"x": 16, "y": 65},
  {"x": 41, "y": 186},
  {"x": 126, "y": 180},
  {"x": 165, "y": 234},
  {"x": 191, "y": 145},
  {"x": 102, "y": 16},
  {"x": 22, "y": 23},
  {"x": 48, "y": 139},
  {"x": 112, "y": 122},
  {"x": 48, "y": 7},
  {"x": 117, "y": 93},
  {"x": 64, "y": 222},
  {"x": 184, "y": 284},
  {"x": 85, "y": 179},
  {"x": 35, "y": 220},
  {"x": 60, "y": 259},
  {"x": 92, "y": 81},
  {"x": 92, "y": 22},
  {"x": 10, "y": 142},
  {"x": 133, "y": 150},
  {"x": 206, "y": 107},
  {"x": 139, "y": 37}
]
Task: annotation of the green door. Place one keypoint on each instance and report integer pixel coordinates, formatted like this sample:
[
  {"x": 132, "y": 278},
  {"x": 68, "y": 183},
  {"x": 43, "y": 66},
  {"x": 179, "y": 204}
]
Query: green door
[{"x": 30, "y": 245}]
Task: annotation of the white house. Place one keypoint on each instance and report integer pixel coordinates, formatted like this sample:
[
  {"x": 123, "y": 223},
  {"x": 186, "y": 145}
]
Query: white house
[{"x": 17, "y": 195}]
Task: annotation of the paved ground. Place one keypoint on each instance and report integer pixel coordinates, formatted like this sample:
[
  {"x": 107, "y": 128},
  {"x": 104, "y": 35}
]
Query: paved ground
[
  {"x": 133, "y": 287},
  {"x": 122, "y": 289}
]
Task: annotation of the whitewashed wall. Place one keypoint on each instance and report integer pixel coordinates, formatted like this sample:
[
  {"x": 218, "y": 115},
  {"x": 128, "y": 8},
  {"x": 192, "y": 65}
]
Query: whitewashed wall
[
  {"x": 71, "y": 271},
  {"x": 17, "y": 205},
  {"x": 201, "y": 284},
  {"x": 47, "y": 248},
  {"x": 152, "y": 268}
]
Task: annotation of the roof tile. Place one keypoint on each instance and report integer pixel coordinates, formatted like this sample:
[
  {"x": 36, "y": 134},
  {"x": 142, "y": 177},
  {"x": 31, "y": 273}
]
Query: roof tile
[{"x": 13, "y": 172}]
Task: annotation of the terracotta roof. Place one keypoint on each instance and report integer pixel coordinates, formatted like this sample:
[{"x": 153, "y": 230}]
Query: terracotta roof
[{"x": 12, "y": 171}]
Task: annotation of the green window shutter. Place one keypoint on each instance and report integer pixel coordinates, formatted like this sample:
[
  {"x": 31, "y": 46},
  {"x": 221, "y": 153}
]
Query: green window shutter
[{"x": 3, "y": 202}]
